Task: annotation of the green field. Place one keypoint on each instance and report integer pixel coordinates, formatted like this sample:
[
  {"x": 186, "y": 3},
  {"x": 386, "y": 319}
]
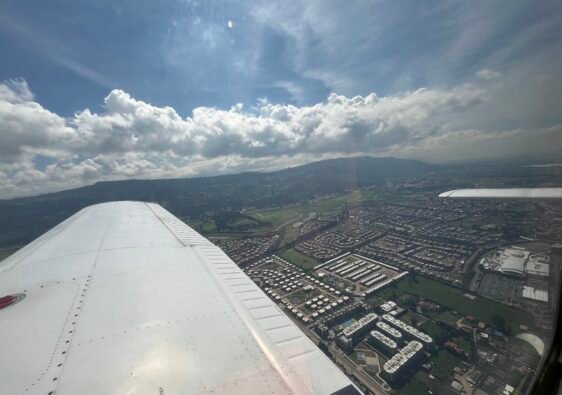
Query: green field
[
  {"x": 303, "y": 261},
  {"x": 453, "y": 298},
  {"x": 321, "y": 205},
  {"x": 289, "y": 215},
  {"x": 422, "y": 384},
  {"x": 443, "y": 364},
  {"x": 432, "y": 329},
  {"x": 289, "y": 234},
  {"x": 412, "y": 388},
  {"x": 279, "y": 216},
  {"x": 203, "y": 226},
  {"x": 409, "y": 316},
  {"x": 445, "y": 316},
  {"x": 298, "y": 297}
]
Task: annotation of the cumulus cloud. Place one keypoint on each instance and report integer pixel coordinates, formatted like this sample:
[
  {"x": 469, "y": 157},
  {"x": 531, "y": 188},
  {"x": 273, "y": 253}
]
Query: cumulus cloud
[
  {"x": 132, "y": 138},
  {"x": 15, "y": 91},
  {"x": 339, "y": 124},
  {"x": 25, "y": 126}
]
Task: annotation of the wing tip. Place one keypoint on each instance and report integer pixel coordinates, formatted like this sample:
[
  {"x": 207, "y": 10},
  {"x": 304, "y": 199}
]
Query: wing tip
[{"x": 447, "y": 194}]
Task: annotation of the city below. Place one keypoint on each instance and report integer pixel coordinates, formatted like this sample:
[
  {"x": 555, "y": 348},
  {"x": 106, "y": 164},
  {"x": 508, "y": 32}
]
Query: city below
[{"x": 417, "y": 294}]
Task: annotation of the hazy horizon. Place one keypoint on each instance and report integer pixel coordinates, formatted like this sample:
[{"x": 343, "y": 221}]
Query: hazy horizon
[{"x": 513, "y": 163}]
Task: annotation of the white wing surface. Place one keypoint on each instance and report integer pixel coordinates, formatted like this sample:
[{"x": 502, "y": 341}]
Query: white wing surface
[
  {"x": 506, "y": 193},
  {"x": 124, "y": 298}
]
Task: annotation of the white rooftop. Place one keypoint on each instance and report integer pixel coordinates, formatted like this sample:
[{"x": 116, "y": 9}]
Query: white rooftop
[
  {"x": 513, "y": 260},
  {"x": 407, "y": 328},
  {"x": 357, "y": 325},
  {"x": 535, "y": 294},
  {"x": 537, "y": 265},
  {"x": 384, "y": 339}
]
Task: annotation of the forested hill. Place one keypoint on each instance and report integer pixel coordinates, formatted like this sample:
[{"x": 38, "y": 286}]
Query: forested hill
[{"x": 24, "y": 219}]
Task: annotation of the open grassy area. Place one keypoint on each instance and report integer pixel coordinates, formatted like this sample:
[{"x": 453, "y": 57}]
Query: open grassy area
[
  {"x": 235, "y": 224},
  {"x": 432, "y": 329},
  {"x": 278, "y": 216},
  {"x": 453, "y": 298},
  {"x": 409, "y": 316},
  {"x": 207, "y": 226},
  {"x": 303, "y": 261},
  {"x": 430, "y": 384},
  {"x": 445, "y": 316},
  {"x": 321, "y": 205},
  {"x": 289, "y": 234},
  {"x": 443, "y": 364},
  {"x": 298, "y": 297},
  {"x": 412, "y": 388}
]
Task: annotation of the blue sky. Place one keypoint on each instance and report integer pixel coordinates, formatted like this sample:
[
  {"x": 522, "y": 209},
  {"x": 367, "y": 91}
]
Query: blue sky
[{"x": 179, "y": 88}]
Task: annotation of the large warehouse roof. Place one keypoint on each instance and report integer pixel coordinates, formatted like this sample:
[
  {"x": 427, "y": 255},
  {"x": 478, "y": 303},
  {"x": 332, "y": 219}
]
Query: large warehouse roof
[
  {"x": 513, "y": 261},
  {"x": 535, "y": 294},
  {"x": 537, "y": 269}
]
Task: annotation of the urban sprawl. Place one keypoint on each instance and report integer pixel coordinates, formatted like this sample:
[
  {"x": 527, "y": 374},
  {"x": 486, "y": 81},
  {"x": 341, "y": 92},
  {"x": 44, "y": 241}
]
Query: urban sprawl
[{"x": 420, "y": 296}]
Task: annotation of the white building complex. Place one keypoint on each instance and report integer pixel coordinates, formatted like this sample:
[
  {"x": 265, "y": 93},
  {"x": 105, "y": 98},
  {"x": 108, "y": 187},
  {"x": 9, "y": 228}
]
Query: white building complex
[
  {"x": 538, "y": 265},
  {"x": 518, "y": 262},
  {"x": 410, "y": 331},
  {"x": 352, "y": 333},
  {"x": 402, "y": 361},
  {"x": 383, "y": 342},
  {"x": 389, "y": 331}
]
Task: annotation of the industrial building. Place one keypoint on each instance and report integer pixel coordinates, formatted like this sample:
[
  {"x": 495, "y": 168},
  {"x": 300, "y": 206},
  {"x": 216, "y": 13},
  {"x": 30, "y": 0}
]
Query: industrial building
[
  {"x": 509, "y": 261},
  {"x": 537, "y": 265},
  {"x": 366, "y": 274},
  {"x": 517, "y": 262},
  {"x": 532, "y": 293}
]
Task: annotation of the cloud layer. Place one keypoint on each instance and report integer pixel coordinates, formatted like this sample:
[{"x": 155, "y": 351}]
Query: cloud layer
[{"x": 42, "y": 151}]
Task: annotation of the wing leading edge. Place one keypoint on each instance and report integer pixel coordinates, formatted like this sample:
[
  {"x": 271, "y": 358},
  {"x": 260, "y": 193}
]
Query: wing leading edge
[
  {"x": 505, "y": 193},
  {"x": 124, "y": 298}
]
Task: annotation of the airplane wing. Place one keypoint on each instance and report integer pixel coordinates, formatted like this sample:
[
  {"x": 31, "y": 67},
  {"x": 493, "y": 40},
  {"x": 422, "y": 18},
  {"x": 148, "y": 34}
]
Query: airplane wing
[
  {"x": 124, "y": 298},
  {"x": 505, "y": 193}
]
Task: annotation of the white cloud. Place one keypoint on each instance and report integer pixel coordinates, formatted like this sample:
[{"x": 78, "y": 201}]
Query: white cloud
[
  {"x": 487, "y": 74},
  {"x": 340, "y": 124},
  {"x": 15, "y": 91},
  {"x": 25, "y": 126},
  {"x": 134, "y": 139}
]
